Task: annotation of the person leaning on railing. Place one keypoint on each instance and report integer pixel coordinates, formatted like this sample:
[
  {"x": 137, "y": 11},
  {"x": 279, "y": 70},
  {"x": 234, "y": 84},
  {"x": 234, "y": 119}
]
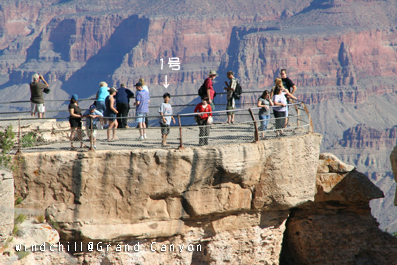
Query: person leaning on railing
[
  {"x": 264, "y": 102},
  {"x": 280, "y": 103},
  {"x": 100, "y": 100},
  {"x": 75, "y": 122},
  {"x": 203, "y": 120}
]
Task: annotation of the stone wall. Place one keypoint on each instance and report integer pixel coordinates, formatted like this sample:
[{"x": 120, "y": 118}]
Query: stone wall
[
  {"x": 218, "y": 198},
  {"x": 6, "y": 204},
  {"x": 272, "y": 202}
]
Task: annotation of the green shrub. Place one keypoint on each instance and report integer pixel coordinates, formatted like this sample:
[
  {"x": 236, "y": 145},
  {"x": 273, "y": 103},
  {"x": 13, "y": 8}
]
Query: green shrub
[
  {"x": 29, "y": 140},
  {"x": 40, "y": 219},
  {"x": 21, "y": 254},
  {"x": 20, "y": 218},
  {"x": 6, "y": 145},
  {"x": 15, "y": 230},
  {"x": 18, "y": 201}
]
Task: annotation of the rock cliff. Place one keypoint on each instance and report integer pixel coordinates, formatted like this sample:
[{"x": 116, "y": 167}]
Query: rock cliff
[{"x": 245, "y": 203}]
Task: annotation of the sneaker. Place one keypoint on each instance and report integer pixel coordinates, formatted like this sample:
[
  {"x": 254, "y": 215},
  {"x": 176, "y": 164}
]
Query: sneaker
[
  {"x": 141, "y": 138},
  {"x": 144, "y": 136}
]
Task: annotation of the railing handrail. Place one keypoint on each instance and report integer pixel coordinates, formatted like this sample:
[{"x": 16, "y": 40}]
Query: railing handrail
[
  {"x": 86, "y": 99},
  {"x": 155, "y": 116}
]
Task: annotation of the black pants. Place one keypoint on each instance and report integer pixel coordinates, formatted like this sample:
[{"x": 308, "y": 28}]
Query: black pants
[
  {"x": 123, "y": 109},
  {"x": 204, "y": 131},
  {"x": 280, "y": 119}
]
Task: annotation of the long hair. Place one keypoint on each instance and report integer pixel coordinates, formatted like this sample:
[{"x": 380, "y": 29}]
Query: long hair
[
  {"x": 277, "y": 90},
  {"x": 266, "y": 92},
  {"x": 278, "y": 82},
  {"x": 142, "y": 81}
]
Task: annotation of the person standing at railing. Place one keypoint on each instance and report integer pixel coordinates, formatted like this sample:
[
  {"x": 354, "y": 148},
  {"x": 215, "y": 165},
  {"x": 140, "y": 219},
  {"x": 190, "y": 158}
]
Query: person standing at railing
[
  {"x": 290, "y": 86},
  {"x": 165, "y": 111},
  {"x": 142, "y": 108},
  {"x": 111, "y": 112},
  {"x": 91, "y": 122},
  {"x": 264, "y": 102},
  {"x": 280, "y": 103},
  {"x": 36, "y": 96},
  {"x": 144, "y": 87},
  {"x": 122, "y": 97},
  {"x": 230, "y": 99},
  {"x": 209, "y": 87},
  {"x": 75, "y": 122},
  {"x": 100, "y": 100},
  {"x": 202, "y": 120}
]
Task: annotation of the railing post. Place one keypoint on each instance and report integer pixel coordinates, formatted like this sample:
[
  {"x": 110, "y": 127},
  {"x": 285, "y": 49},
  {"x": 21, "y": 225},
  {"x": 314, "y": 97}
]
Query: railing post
[
  {"x": 91, "y": 133},
  {"x": 309, "y": 117},
  {"x": 256, "y": 126},
  {"x": 180, "y": 132},
  {"x": 19, "y": 136}
]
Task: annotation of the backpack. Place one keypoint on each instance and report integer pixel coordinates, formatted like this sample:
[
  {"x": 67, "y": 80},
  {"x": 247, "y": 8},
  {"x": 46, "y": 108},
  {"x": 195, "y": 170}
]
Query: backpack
[
  {"x": 237, "y": 92},
  {"x": 202, "y": 91}
]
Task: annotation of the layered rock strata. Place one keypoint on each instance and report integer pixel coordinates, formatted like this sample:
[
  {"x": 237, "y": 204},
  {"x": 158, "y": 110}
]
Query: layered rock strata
[
  {"x": 217, "y": 198},
  {"x": 266, "y": 202}
]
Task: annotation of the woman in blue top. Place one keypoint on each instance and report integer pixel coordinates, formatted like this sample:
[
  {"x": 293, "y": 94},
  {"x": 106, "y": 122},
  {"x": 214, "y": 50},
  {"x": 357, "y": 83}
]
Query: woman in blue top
[{"x": 100, "y": 100}]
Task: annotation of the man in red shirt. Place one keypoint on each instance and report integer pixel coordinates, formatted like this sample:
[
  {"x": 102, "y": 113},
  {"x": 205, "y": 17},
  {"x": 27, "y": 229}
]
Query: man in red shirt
[{"x": 210, "y": 89}]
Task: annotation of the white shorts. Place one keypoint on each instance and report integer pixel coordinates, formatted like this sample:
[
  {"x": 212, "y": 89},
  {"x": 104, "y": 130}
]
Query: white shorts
[
  {"x": 37, "y": 108},
  {"x": 93, "y": 133}
]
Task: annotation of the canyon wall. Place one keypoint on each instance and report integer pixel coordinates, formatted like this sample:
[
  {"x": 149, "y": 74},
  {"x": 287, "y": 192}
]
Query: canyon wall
[{"x": 264, "y": 202}]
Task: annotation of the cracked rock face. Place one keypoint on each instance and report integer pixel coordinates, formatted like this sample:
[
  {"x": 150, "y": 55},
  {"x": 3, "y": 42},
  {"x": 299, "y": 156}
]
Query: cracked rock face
[
  {"x": 139, "y": 187},
  {"x": 272, "y": 202},
  {"x": 216, "y": 197}
]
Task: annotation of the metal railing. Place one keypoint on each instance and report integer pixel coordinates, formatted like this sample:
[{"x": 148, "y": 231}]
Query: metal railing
[
  {"x": 54, "y": 134},
  {"x": 58, "y": 108}
]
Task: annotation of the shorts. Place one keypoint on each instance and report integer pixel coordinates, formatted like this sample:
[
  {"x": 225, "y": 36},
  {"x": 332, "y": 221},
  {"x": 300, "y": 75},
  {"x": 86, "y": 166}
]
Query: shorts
[
  {"x": 36, "y": 108},
  {"x": 101, "y": 107},
  {"x": 286, "y": 111},
  {"x": 93, "y": 133},
  {"x": 165, "y": 129},
  {"x": 112, "y": 116},
  {"x": 229, "y": 106},
  {"x": 141, "y": 116},
  {"x": 75, "y": 122}
]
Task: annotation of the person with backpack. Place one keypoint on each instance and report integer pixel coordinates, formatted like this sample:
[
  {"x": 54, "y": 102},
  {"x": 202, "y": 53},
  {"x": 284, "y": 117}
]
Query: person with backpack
[
  {"x": 207, "y": 89},
  {"x": 230, "y": 88}
]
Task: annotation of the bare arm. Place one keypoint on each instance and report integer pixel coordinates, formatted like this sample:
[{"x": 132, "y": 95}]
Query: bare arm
[
  {"x": 42, "y": 78},
  {"x": 293, "y": 89},
  {"x": 111, "y": 103},
  {"x": 290, "y": 95}
]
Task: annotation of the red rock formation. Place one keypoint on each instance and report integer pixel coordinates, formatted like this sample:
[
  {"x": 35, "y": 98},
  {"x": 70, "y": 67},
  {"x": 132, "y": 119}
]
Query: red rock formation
[{"x": 362, "y": 136}]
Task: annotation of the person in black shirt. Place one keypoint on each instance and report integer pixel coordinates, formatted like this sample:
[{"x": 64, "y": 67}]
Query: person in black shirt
[
  {"x": 75, "y": 122},
  {"x": 290, "y": 86},
  {"x": 122, "y": 98}
]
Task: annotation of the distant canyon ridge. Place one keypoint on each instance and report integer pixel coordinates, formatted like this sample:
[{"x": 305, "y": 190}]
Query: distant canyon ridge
[{"x": 342, "y": 55}]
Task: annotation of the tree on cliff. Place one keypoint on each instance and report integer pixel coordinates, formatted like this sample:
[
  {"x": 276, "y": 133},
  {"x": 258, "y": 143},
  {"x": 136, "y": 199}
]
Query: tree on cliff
[{"x": 6, "y": 144}]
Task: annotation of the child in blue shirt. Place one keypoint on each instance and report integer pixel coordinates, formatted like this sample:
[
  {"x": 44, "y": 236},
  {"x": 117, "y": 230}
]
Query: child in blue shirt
[{"x": 92, "y": 114}]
